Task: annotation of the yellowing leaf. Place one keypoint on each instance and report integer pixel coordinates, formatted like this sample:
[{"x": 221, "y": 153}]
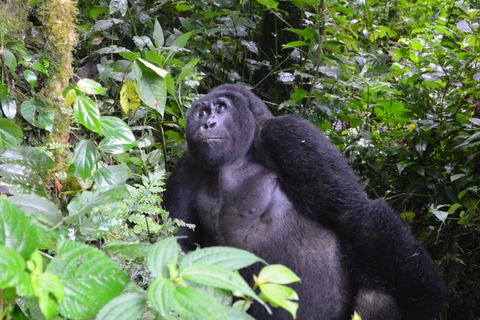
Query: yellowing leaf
[{"x": 129, "y": 99}]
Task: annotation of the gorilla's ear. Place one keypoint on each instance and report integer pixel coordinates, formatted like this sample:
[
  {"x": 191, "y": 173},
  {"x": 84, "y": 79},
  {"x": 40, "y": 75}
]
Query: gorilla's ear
[{"x": 240, "y": 94}]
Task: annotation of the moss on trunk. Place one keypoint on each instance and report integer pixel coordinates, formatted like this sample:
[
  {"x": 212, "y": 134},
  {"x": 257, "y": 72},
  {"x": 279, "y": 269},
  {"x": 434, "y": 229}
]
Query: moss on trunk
[{"x": 58, "y": 20}]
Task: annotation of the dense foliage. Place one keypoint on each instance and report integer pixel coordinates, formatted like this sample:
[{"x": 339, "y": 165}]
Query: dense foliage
[{"x": 394, "y": 84}]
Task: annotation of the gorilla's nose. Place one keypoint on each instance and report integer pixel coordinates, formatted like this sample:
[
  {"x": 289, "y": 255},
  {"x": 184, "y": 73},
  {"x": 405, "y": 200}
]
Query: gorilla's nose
[{"x": 209, "y": 125}]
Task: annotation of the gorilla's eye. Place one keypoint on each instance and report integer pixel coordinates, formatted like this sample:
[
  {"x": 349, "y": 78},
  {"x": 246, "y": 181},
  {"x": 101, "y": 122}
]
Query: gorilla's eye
[
  {"x": 202, "y": 113},
  {"x": 220, "y": 107}
]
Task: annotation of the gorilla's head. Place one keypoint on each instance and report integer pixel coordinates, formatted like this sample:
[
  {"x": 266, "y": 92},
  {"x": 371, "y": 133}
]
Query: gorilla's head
[{"x": 221, "y": 126}]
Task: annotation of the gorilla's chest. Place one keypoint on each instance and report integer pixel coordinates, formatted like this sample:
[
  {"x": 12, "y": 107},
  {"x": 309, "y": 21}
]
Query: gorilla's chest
[{"x": 240, "y": 204}]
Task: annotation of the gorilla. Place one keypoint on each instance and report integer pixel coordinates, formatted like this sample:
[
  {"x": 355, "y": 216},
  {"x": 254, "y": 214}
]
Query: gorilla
[{"x": 275, "y": 186}]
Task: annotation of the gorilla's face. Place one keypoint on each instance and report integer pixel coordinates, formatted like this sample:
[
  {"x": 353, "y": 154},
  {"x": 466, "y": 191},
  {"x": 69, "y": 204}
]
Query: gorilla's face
[{"x": 218, "y": 131}]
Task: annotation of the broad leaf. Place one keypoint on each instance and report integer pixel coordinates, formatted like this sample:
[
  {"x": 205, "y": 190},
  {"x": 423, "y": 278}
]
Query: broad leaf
[
  {"x": 93, "y": 202},
  {"x": 87, "y": 113},
  {"x": 129, "y": 99},
  {"x": 150, "y": 86},
  {"x": 278, "y": 295},
  {"x": 111, "y": 175},
  {"x": 225, "y": 257},
  {"x": 30, "y": 76},
  {"x": 9, "y": 107},
  {"x": 12, "y": 266},
  {"x": 90, "y": 86},
  {"x": 160, "y": 295},
  {"x": 35, "y": 112},
  {"x": 181, "y": 41},
  {"x": 49, "y": 291},
  {"x": 160, "y": 255},
  {"x": 158, "y": 35},
  {"x": 10, "y": 134},
  {"x": 276, "y": 273},
  {"x": 85, "y": 158},
  {"x": 16, "y": 230},
  {"x": 89, "y": 277},
  {"x": 125, "y": 306},
  {"x": 196, "y": 303},
  {"x": 118, "y": 6},
  {"x": 218, "y": 277},
  {"x": 40, "y": 207},
  {"x": 29, "y": 157}
]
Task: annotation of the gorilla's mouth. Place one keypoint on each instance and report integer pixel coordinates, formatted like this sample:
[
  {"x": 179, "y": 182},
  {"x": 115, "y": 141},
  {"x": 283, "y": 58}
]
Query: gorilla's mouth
[{"x": 212, "y": 139}]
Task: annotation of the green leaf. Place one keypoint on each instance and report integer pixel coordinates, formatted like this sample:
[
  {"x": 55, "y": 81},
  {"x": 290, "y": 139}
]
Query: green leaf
[
  {"x": 126, "y": 306},
  {"x": 160, "y": 254},
  {"x": 89, "y": 277},
  {"x": 225, "y": 257},
  {"x": 276, "y": 273},
  {"x": 10, "y": 134},
  {"x": 34, "y": 111},
  {"x": 115, "y": 146},
  {"x": 417, "y": 45},
  {"x": 187, "y": 69},
  {"x": 40, "y": 207},
  {"x": 12, "y": 266},
  {"x": 87, "y": 113},
  {"x": 10, "y": 59},
  {"x": 218, "y": 277},
  {"x": 29, "y": 157},
  {"x": 298, "y": 95},
  {"x": 90, "y": 86},
  {"x": 91, "y": 202},
  {"x": 198, "y": 304},
  {"x": 162, "y": 73},
  {"x": 158, "y": 35},
  {"x": 115, "y": 128},
  {"x": 181, "y": 41},
  {"x": 30, "y": 77},
  {"x": 85, "y": 158},
  {"x": 49, "y": 291},
  {"x": 278, "y": 295},
  {"x": 151, "y": 86},
  {"x": 40, "y": 67},
  {"x": 294, "y": 44},
  {"x": 9, "y": 107},
  {"x": 160, "y": 295},
  {"x": 111, "y": 175},
  {"x": 3, "y": 91},
  {"x": 16, "y": 230}
]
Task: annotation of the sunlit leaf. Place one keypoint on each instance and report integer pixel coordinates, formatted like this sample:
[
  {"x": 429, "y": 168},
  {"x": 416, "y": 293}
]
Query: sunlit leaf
[
  {"x": 30, "y": 77},
  {"x": 85, "y": 158},
  {"x": 225, "y": 257},
  {"x": 87, "y": 113},
  {"x": 129, "y": 99},
  {"x": 9, "y": 107},
  {"x": 16, "y": 230},
  {"x": 125, "y": 306},
  {"x": 160, "y": 255},
  {"x": 160, "y": 294},
  {"x": 90, "y": 86},
  {"x": 89, "y": 277}
]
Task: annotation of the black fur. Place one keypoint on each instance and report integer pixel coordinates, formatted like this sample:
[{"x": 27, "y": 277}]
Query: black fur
[{"x": 278, "y": 188}]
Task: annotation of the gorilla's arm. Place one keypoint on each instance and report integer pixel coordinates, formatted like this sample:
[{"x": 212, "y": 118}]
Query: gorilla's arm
[
  {"x": 380, "y": 250},
  {"x": 179, "y": 198}
]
